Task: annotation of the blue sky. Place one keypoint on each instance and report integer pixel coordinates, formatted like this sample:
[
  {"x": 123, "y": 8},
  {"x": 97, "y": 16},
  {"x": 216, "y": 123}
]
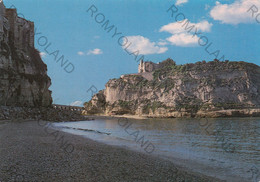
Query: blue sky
[{"x": 146, "y": 25}]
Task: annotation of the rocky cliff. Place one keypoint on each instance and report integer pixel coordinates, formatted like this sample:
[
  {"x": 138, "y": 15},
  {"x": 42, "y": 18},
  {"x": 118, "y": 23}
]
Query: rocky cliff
[
  {"x": 212, "y": 89},
  {"x": 23, "y": 75}
]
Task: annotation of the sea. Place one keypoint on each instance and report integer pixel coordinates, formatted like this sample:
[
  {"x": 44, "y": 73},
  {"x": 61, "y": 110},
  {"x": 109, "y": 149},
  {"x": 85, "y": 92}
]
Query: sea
[{"x": 225, "y": 148}]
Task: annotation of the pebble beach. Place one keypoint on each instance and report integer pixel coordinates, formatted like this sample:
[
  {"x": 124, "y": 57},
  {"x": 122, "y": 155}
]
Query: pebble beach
[{"x": 30, "y": 151}]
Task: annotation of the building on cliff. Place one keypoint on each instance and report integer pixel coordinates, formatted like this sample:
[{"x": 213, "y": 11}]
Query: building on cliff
[
  {"x": 4, "y": 26},
  {"x": 23, "y": 74},
  {"x": 20, "y": 31},
  {"x": 148, "y": 67},
  {"x": 2, "y": 13}
]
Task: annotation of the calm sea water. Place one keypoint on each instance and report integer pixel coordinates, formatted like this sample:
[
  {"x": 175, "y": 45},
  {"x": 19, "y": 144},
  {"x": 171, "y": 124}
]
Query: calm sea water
[{"x": 228, "y": 148}]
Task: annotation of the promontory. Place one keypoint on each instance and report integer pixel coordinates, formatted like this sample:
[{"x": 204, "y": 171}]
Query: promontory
[{"x": 202, "y": 89}]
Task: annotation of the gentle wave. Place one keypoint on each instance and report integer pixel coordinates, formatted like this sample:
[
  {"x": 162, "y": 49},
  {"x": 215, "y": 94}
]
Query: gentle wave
[{"x": 89, "y": 130}]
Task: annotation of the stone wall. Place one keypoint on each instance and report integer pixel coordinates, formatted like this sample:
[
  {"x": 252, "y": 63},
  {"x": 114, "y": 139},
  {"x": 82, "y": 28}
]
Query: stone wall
[
  {"x": 21, "y": 30},
  {"x": 20, "y": 114}
]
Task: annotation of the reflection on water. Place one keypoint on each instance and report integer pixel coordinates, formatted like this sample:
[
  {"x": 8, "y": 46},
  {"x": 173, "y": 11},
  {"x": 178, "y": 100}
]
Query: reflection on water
[{"x": 230, "y": 146}]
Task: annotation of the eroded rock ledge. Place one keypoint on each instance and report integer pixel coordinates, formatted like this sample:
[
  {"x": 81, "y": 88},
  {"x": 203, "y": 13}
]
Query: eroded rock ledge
[{"x": 203, "y": 89}]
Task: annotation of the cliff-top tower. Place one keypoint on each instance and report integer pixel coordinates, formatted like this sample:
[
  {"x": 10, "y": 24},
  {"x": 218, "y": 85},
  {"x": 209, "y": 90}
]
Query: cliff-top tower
[
  {"x": 147, "y": 66},
  {"x": 141, "y": 67}
]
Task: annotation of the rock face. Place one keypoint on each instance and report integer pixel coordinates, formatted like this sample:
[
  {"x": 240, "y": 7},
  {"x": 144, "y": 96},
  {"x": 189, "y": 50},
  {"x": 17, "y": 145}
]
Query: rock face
[
  {"x": 213, "y": 89},
  {"x": 23, "y": 75}
]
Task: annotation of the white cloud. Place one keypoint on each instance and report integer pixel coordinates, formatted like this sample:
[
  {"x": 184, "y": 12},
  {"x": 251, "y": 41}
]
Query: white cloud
[
  {"x": 234, "y": 13},
  {"x": 162, "y": 42},
  {"x": 182, "y": 32},
  {"x": 179, "y": 27},
  {"x": 143, "y": 45},
  {"x": 179, "y": 2},
  {"x": 43, "y": 54},
  {"x": 91, "y": 52},
  {"x": 95, "y": 52},
  {"x": 183, "y": 39},
  {"x": 207, "y": 7},
  {"x": 81, "y": 53},
  {"x": 76, "y": 103}
]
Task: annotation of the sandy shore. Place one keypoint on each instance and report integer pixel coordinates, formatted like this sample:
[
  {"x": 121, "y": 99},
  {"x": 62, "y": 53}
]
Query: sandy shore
[
  {"x": 100, "y": 116},
  {"x": 31, "y": 151}
]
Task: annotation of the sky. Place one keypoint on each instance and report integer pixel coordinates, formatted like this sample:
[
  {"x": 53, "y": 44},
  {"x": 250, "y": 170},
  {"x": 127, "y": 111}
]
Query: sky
[{"x": 102, "y": 40}]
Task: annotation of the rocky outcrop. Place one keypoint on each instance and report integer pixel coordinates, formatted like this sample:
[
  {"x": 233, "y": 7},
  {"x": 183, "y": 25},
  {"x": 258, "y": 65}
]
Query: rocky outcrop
[
  {"x": 213, "y": 89},
  {"x": 20, "y": 114},
  {"x": 23, "y": 75}
]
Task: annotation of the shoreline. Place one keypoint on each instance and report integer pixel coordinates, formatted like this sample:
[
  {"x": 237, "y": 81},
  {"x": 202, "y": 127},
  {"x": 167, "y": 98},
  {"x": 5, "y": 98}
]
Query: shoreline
[
  {"x": 190, "y": 164},
  {"x": 55, "y": 115},
  {"x": 117, "y": 116},
  {"x": 37, "y": 156},
  {"x": 228, "y": 113}
]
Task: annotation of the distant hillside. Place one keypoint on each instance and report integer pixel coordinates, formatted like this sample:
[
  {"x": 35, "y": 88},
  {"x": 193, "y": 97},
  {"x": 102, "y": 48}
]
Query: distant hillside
[{"x": 212, "y": 89}]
